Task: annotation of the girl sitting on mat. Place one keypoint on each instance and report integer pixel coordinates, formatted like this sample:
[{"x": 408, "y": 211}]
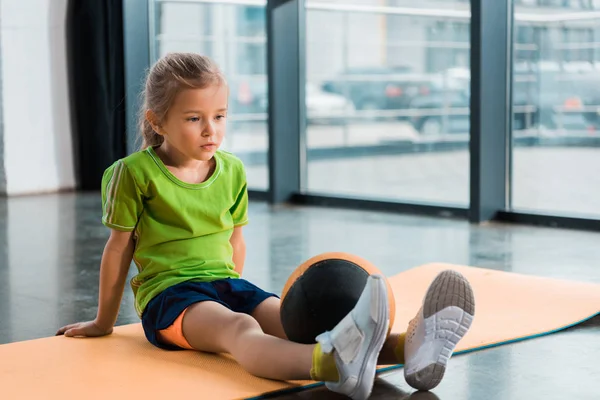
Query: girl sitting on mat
[{"x": 177, "y": 208}]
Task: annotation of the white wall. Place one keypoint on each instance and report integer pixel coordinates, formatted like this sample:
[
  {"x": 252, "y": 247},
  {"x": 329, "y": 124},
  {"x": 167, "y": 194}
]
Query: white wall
[{"x": 37, "y": 130}]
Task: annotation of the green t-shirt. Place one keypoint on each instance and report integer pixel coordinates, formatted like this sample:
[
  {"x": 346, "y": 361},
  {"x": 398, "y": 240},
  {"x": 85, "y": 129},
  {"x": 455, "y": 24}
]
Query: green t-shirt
[{"x": 182, "y": 230}]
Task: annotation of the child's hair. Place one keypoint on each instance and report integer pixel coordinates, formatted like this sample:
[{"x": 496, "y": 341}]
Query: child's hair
[{"x": 171, "y": 74}]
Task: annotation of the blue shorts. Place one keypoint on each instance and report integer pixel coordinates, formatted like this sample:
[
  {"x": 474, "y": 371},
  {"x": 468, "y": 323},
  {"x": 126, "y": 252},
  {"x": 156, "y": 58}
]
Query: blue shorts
[{"x": 238, "y": 295}]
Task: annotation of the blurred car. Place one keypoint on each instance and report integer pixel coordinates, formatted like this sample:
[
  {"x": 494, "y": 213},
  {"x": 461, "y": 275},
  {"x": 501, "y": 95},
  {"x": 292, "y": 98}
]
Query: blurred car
[
  {"x": 549, "y": 100},
  {"x": 587, "y": 85},
  {"x": 323, "y": 107},
  {"x": 541, "y": 100},
  {"x": 441, "y": 112},
  {"x": 379, "y": 88}
]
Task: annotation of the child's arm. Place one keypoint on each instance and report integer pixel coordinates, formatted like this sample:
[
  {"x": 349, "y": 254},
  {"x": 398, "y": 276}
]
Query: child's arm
[
  {"x": 116, "y": 259},
  {"x": 239, "y": 249}
]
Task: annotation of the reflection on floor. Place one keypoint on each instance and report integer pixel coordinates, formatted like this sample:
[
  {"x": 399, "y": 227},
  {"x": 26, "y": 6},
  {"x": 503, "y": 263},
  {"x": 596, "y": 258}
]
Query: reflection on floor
[{"x": 50, "y": 249}]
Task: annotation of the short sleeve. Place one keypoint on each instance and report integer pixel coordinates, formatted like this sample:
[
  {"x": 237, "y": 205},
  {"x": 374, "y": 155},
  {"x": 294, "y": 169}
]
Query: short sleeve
[
  {"x": 239, "y": 210},
  {"x": 121, "y": 198}
]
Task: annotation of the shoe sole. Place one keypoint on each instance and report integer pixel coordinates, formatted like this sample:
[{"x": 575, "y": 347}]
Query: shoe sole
[
  {"x": 448, "y": 311},
  {"x": 375, "y": 346}
]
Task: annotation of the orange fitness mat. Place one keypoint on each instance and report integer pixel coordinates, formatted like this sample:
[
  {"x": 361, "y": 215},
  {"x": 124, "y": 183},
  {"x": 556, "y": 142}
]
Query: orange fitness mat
[{"x": 509, "y": 307}]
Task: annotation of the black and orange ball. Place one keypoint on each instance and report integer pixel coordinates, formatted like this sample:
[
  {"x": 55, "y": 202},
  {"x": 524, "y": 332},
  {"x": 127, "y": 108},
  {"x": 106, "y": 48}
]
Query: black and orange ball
[{"x": 322, "y": 291}]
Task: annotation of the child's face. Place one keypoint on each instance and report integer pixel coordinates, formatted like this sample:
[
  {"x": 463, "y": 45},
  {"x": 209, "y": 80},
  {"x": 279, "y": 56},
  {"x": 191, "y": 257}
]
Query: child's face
[{"x": 195, "y": 123}]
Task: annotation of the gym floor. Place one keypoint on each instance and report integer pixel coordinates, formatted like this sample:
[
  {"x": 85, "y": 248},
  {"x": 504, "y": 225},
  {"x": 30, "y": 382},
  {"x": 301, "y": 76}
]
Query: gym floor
[{"x": 51, "y": 245}]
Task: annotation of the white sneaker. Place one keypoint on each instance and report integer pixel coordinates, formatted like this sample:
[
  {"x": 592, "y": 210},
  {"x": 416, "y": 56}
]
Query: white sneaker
[
  {"x": 357, "y": 340},
  {"x": 444, "y": 318}
]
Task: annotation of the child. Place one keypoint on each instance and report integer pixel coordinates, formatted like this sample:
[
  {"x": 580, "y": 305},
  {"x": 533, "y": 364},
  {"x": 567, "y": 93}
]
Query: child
[{"x": 177, "y": 208}]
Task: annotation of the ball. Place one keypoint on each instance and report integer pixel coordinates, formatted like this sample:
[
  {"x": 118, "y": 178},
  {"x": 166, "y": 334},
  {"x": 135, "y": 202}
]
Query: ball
[{"x": 322, "y": 291}]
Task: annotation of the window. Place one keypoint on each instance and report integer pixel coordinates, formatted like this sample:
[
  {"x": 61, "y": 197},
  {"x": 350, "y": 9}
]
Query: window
[
  {"x": 388, "y": 101},
  {"x": 556, "y": 109}
]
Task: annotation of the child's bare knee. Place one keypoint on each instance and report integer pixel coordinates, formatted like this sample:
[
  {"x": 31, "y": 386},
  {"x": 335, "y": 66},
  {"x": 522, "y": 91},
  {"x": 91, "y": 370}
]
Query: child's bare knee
[{"x": 243, "y": 323}]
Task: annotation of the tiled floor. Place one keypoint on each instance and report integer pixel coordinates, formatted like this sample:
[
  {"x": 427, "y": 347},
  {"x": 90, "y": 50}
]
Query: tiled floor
[{"x": 50, "y": 249}]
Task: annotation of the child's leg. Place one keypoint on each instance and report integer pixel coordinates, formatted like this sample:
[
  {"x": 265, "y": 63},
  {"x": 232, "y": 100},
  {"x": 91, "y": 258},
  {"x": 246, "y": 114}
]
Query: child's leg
[
  {"x": 211, "y": 327},
  {"x": 352, "y": 346},
  {"x": 268, "y": 316},
  {"x": 393, "y": 350},
  {"x": 444, "y": 318}
]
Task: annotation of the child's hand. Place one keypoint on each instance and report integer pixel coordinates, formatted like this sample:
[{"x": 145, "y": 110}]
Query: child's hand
[{"x": 86, "y": 329}]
